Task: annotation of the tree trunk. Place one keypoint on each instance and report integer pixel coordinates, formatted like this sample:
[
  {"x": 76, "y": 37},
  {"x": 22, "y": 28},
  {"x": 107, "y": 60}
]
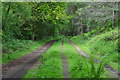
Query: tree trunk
[
  {"x": 8, "y": 10},
  {"x": 105, "y": 24},
  {"x": 91, "y": 24},
  {"x": 82, "y": 32},
  {"x": 33, "y": 36},
  {"x": 88, "y": 27},
  {"x": 113, "y": 19}
]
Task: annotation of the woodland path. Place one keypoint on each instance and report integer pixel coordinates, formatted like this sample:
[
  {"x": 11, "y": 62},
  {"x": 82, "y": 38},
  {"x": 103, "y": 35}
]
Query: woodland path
[
  {"x": 108, "y": 67},
  {"x": 18, "y": 68}
]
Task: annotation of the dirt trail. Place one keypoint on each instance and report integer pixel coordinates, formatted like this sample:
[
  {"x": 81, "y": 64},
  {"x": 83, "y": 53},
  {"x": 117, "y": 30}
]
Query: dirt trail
[
  {"x": 65, "y": 64},
  {"x": 108, "y": 67},
  {"x": 18, "y": 68}
]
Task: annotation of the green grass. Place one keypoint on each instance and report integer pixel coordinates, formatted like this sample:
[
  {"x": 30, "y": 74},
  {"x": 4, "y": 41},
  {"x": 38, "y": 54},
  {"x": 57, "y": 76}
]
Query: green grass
[
  {"x": 81, "y": 67},
  {"x": 73, "y": 57},
  {"x": 114, "y": 65},
  {"x": 7, "y": 57},
  {"x": 103, "y": 46},
  {"x": 51, "y": 64}
]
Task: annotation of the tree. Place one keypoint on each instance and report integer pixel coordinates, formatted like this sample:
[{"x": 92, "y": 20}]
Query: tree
[
  {"x": 14, "y": 16},
  {"x": 47, "y": 13},
  {"x": 95, "y": 14}
]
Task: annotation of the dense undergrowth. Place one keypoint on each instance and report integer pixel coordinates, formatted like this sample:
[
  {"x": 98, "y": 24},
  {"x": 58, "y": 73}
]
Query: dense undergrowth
[
  {"x": 15, "y": 48},
  {"x": 51, "y": 64},
  {"x": 102, "y": 46}
]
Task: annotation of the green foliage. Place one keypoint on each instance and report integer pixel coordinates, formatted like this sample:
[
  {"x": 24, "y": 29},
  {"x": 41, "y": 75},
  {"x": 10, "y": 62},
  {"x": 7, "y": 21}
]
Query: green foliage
[
  {"x": 109, "y": 40},
  {"x": 88, "y": 23},
  {"x": 16, "y": 45},
  {"x": 14, "y": 15},
  {"x": 103, "y": 46},
  {"x": 81, "y": 67},
  {"x": 34, "y": 20},
  {"x": 51, "y": 11},
  {"x": 16, "y": 48}
]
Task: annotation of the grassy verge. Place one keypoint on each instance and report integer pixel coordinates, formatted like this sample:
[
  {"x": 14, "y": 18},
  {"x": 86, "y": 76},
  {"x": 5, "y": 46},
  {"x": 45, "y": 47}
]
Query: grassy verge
[
  {"x": 103, "y": 46},
  {"x": 19, "y": 52},
  {"x": 51, "y": 64},
  {"x": 81, "y": 67}
]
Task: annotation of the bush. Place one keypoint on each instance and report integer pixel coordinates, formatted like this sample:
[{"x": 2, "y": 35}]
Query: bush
[{"x": 16, "y": 45}]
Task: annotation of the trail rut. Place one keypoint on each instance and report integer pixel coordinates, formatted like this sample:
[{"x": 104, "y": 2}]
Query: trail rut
[
  {"x": 18, "y": 68},
  {"x": 108, "y": 67},
  {"x": 65, "y": 64}
]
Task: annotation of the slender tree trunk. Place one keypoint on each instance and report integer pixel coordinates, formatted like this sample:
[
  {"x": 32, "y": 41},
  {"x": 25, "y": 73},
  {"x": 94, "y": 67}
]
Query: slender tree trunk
[
  {"x": 82, "y": 32},
  {"x": 91, "y": 24},
  {"x": 113, "y": 19},
  {"x": 105, "y": 24},
  {"x": 8, "y": 10},
  {"x": 87, "y": 25},
  {"x": 33, "y": 34}
]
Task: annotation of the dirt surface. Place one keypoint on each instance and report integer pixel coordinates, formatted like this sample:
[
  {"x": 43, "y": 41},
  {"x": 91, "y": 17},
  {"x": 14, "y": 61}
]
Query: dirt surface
[
  {"x": 108, "y": 67},
  {"x": 79, "y": 50},
  {"x": 65, "y": 64},
  {"x": 18, "y": 68}
]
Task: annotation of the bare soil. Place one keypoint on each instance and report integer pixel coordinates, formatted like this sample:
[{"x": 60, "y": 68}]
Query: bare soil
[
  {"x": 19, "y": 67},
  {"x": 65, "y": 64}
]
